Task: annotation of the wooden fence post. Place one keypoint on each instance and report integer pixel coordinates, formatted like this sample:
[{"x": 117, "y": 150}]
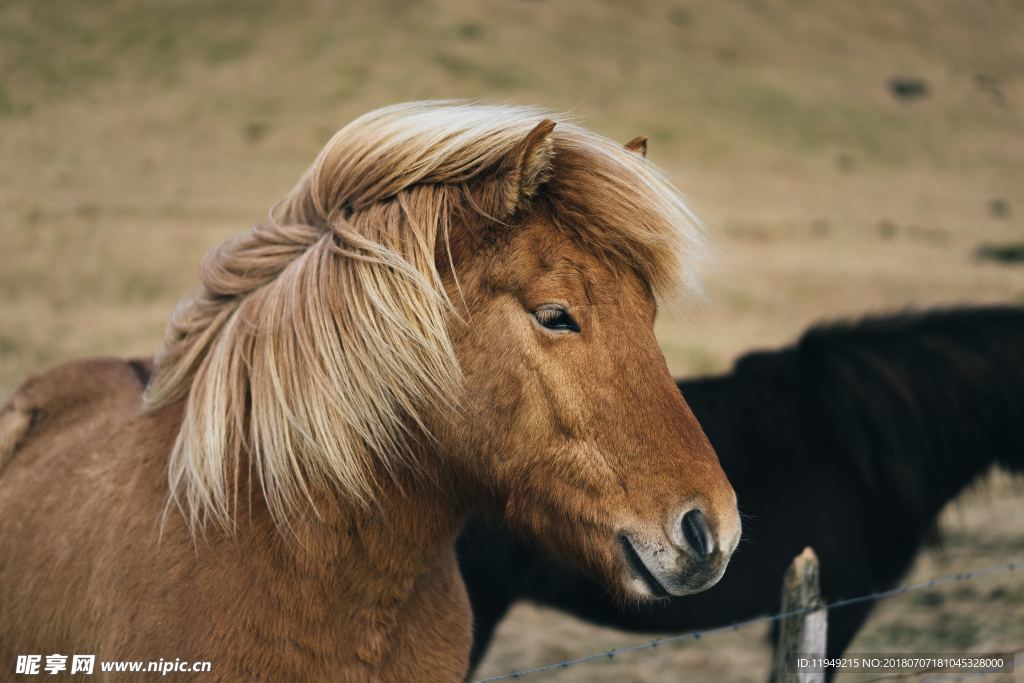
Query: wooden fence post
[{"x": 802, "y": 635}]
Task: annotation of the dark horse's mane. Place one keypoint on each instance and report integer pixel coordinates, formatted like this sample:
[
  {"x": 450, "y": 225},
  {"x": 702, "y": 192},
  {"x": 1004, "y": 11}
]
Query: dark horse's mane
[{"x": 852, "y": 441}]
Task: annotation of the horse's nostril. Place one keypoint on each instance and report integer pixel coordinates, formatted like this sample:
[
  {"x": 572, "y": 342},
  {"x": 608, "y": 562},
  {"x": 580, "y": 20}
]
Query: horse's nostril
[{"x": 697, "y": 534}]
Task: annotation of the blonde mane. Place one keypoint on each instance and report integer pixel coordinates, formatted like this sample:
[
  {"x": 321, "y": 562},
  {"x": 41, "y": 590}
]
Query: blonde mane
[{"x": 318, "y": 340}]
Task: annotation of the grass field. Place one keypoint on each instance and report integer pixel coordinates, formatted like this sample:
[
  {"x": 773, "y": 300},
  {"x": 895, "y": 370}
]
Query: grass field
[{"x": 135, "y": 135}]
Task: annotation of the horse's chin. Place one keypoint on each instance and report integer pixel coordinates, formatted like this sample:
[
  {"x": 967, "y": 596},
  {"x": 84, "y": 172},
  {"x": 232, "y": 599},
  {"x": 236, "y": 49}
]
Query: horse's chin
[
  {"x": 648, "y": 578},
  {"x": 640, "y": 578},
  {"x": 645, "y": 577}
]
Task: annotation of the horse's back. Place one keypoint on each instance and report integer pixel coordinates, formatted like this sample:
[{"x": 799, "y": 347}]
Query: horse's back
[
  {"x": 55, "y": 464},
  {"x": 68, "y": 403}
]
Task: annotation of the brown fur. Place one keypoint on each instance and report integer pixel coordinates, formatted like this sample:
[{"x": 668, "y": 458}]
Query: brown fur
[
  {"x": 260, "y": 606},
  {"x": 572, "y": 438}
]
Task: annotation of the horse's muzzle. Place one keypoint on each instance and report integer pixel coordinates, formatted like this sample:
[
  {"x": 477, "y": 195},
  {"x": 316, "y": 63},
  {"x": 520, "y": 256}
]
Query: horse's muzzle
[{"x": 691, "y": 559}]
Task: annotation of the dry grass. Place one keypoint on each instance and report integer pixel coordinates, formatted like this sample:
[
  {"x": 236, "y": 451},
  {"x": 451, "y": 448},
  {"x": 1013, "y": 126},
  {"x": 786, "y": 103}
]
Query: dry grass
[{"x": 135, "y": 135}]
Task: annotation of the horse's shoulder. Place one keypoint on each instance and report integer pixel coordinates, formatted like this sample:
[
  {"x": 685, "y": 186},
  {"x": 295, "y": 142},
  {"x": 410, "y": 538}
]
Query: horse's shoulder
[{"x": 67, "y": 394}]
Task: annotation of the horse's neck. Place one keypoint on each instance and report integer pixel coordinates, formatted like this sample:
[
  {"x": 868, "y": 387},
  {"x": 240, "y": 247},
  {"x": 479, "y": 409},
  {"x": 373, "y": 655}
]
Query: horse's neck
[
  {"x": 409, "y": 531},
  {"x": 352, "y": 584},
  {"x": 380, "y": 550}
]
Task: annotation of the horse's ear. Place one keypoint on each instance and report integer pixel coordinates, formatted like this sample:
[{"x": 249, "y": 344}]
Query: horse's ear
[
  {"x": 519, "y": 174},
  {"x": 638, "y": 145}
]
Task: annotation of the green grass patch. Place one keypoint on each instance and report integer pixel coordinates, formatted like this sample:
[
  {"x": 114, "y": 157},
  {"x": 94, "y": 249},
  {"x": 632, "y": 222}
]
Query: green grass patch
[{"x": 1009, "y": 254}]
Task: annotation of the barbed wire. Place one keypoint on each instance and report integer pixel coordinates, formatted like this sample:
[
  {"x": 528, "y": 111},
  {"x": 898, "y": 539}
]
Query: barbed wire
[{"x": 766, "y": 619}]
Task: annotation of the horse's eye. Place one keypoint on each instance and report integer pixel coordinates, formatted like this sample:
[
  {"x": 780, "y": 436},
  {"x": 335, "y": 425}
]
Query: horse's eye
[{"x": 556, "y": 318}]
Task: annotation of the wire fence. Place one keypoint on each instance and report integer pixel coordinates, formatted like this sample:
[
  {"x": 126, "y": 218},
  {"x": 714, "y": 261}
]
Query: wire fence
[{"x": 613, "y": 653}]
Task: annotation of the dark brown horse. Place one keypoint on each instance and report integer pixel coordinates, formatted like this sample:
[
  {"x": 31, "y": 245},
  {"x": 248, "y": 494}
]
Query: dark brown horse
[
  {"x": 852, "y": 441},
  {"x": 451, "y": 313}
]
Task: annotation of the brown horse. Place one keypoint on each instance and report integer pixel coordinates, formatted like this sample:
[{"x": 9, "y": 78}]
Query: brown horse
[{"x": 452, "y": 312}]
